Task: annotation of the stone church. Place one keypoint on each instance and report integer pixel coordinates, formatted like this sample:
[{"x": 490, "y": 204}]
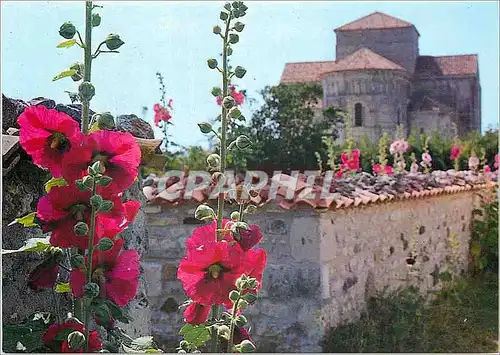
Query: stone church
[{"x": 380, "y": 79}]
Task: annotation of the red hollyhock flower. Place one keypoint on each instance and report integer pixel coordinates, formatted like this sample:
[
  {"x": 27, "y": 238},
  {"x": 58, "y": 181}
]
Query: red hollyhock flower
[
  {"x": 377, "y": 169},
  {"x": 455, "y": 152},
  {"x": 47, "y": 135},
  {"x": 250, "y": 238},
  {"x": 350, "y": 161},
  {"x": 161, "y": 113},
  {"x": 49, "y": 337},
  {"x": 116, "y": 274},
  {"x": 496, "y": 162},
  {"x": 196, "y": 313},
  {"x": 209, "y": 272},
  {"x": 64, "y": 206},
  {"x": 119, "y": 152},
  {"x": 239, "y": 97},
  {"x": 44, "y": 275}
]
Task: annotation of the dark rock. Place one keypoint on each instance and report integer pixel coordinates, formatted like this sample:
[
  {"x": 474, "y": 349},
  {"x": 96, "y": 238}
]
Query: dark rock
[
  {"x": 73, "y": 110},
  {"x": 11, "y": 109},
  {"x": 42, "y": 101},
  {"x": 135, "y": 126},
  {"x": 349, "y": 282}
]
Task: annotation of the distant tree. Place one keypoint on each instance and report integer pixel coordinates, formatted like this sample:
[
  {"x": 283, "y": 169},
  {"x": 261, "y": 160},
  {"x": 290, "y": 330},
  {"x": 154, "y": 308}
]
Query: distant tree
[{"x": 286, "y": 130}]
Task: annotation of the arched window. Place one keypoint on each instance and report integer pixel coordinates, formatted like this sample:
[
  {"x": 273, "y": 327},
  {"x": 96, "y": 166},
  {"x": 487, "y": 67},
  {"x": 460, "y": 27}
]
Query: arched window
[{"x": 358, "y": 115}]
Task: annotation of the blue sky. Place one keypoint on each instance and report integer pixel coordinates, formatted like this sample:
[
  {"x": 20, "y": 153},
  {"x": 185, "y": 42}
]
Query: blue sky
[{"x": 176, "y": 38}]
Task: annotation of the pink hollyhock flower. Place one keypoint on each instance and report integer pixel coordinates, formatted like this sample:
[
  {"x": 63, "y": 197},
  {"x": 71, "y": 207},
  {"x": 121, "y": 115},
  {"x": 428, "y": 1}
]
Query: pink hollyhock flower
[
  {"x": 48, "y": 135},
  {"x": 426, "y": 158},
  {"x": 486, "y": 169},
  {"x": 455, "y": 152},
  {"x": 339, "y": 173},
  {"x": 377, "y": 169},
  {"x": 65, "y": 206},
  {"x": 496, "y": 162},
  {"x": 161, "y": 113},
  {"x": 395, "y": 147},
  {"x": 414, "y": 168},
  {"x": 44, "y": 275},
  {"x": 350, "y": 161},
  {"x": 119, "y": 152},
  {"x": 404, "y": 146},
  {"x": 238, "y": 97},
  {"x": 50, "y": 337},
  {"x": 116, "y": 274},
  {"x": 473, "y": 163},
  {"x": 196, "y": 313},
  {"x": 209, "y": 272}
]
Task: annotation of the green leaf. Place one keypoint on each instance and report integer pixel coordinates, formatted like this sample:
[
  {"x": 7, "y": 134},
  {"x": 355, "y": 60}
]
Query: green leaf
[
  {"x": 67, "y": 44},
  {"x": 33, "y": 244},
  {"x": 445, "y": 276},
  {"x": 144, "y": 342},
  {"x": 64, "y": 74},
  {"x": 26, "y": 221},
  {"x": 63, "y": 287},
  {"x": 476, "y": 249},
  {"x": 28, "y": 333},
  {"x": 196, "y": 335},
  {"x": 54, "y": 182}
]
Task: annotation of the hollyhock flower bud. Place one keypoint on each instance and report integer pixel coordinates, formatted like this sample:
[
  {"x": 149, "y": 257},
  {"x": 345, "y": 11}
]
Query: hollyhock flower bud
[
  {"x": 250, "y": 209},
  {"x": 216, "y": 91},
  {"x": 239, "y": 72},
  {"x": 414, "y": 168},
  {"x": 212, "y": 63},
  {"x": 86, "y": 91},
  {"x": 234, "y": 295},
  {"x": 67, "y": 30},
  {"x": 196, "y": 313},
  {"x": 105, "y": 120},
  {"x": 205, "y": 127},
  {"x": 55, "y": 337},
  {"x": 105, "y": 244},
  {"x": 250, "y": 297},
  {"x": 234, "y": 38},
  {"x": 238, "y": 26},
  {"x": 246, "y": 346},
  {"x": 81, "y": 228},
  {"x": 213, "y": 161},
  {"x": 217, "y": 30},
  {"x": 76, "y": 340},
  {"x": 96, "y": 20},
  {"x": 228, "y": 102},
  {"x": 243, "y": 142},
  {"x": 235, "y": 216},
  {"x": 224, "y": 332},
  {"x": 91, "y": 290},
  {"x": 113, "y": 42},
  {"x": 204, "y": 212},
  {"x": 234, "y": 112},
  {"x": 473, "y": 163}
]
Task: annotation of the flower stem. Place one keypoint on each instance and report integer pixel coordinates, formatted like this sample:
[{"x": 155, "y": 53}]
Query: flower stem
[
  {"x": 87, "y": 63},
  {"x": 231, "y": 329},
  {"x": 89, "y": 266},
  {"x": 220, "y": 202}
]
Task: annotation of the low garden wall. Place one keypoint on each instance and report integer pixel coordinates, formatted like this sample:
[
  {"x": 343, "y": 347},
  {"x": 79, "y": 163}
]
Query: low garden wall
[{"x": 323, "y": 265}]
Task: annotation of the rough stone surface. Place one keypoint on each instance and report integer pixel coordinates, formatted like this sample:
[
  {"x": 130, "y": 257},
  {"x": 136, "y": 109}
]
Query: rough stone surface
[
  {"x": 322, "y": 267},
  {"x": 135, "y": 125},
  {"x": 11, "y": 109}
]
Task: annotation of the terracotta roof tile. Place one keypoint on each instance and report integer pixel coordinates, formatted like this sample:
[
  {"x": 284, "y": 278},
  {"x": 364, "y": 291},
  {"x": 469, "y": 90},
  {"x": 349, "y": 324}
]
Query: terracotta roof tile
[
  {"x": 305, "y": 72},
  {"x": 364, "y": 59},
  {"x": 375, "y": 21},
  {"x": 453, "y": 65},
  {"x": 362, "y": 189}
]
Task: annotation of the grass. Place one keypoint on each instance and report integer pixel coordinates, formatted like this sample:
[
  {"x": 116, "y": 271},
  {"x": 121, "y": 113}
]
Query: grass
[{"x": 460, "y": 320}]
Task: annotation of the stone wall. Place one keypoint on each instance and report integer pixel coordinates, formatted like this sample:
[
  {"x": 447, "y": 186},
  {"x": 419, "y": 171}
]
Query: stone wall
[
  {"x": 322, "y": 266},
  {"x": 399, "y": 45}
]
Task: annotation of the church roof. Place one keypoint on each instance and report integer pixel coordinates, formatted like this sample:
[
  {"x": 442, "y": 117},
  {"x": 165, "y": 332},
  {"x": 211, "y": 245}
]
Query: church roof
[
  {"x": 305, "y": 72},
  {"x": 452, "y": 65},
  {"x": 375, "y": 21},
  {"x": 364, "y": 59}
]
